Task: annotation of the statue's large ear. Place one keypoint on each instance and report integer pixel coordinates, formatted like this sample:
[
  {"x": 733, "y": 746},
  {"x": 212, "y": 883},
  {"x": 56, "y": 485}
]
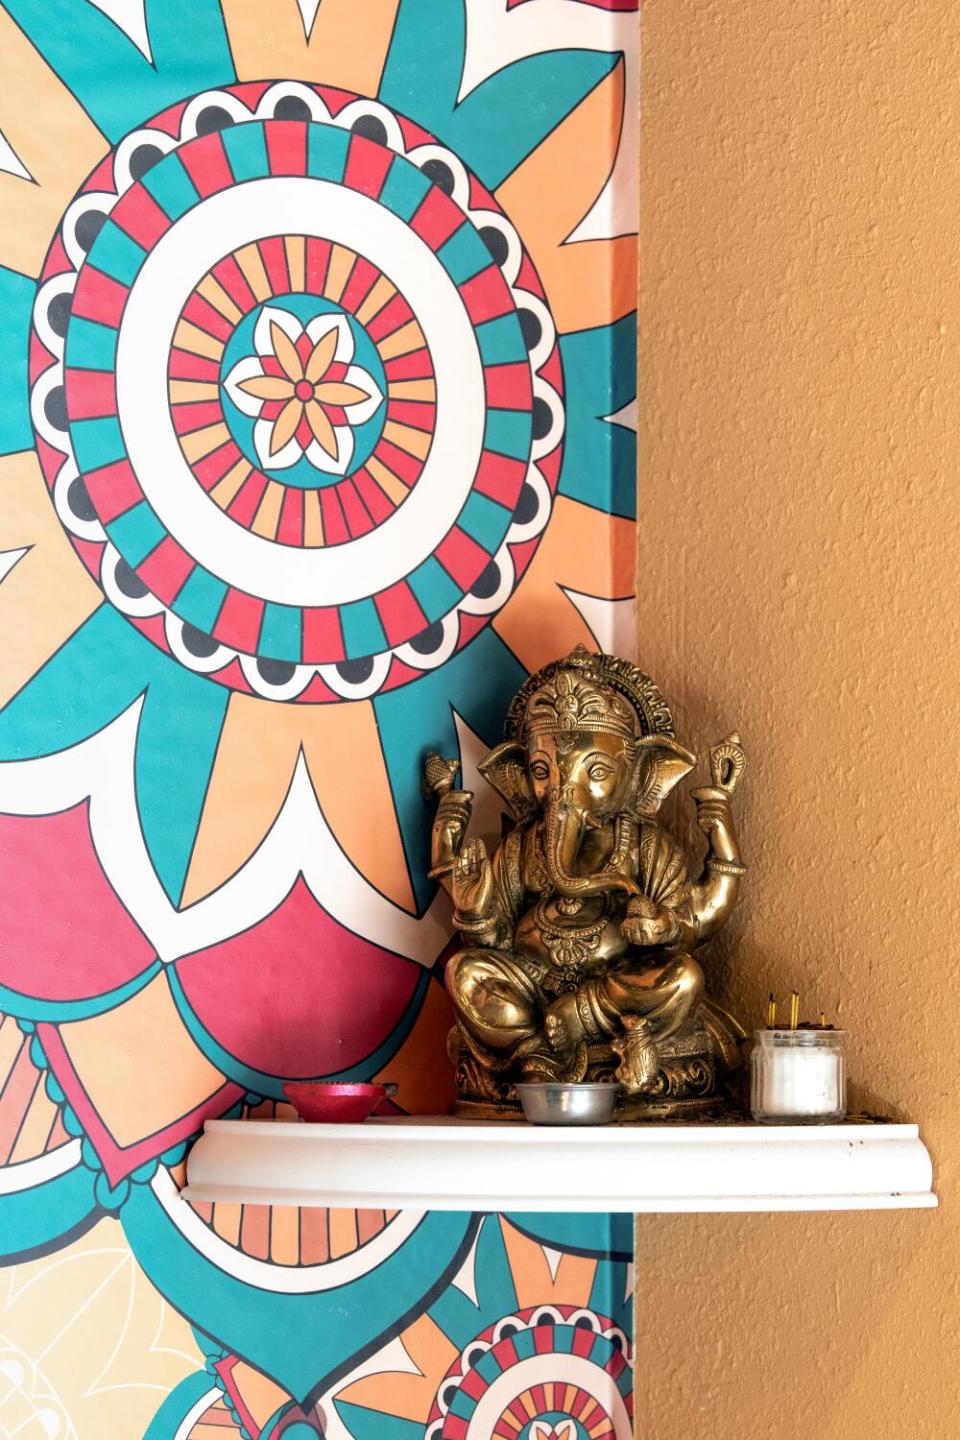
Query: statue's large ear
[
  {"x": 661, "y": 764},
  {"x": 505, "y": 768}
]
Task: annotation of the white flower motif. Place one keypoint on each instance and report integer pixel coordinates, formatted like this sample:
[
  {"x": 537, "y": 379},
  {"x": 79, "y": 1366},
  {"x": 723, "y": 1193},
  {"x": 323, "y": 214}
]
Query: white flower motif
[
  {"x": 303, "y": 390},
  {"x": 563, "y": 1430}
]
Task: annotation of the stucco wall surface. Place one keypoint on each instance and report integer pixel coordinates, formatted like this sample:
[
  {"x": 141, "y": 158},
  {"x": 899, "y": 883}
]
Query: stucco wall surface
[{"x": 799, "y": 548}]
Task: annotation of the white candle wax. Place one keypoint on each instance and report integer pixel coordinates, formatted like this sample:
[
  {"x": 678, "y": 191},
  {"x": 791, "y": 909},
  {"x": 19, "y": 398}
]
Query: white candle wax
[{"x": 800, "y": 1081}]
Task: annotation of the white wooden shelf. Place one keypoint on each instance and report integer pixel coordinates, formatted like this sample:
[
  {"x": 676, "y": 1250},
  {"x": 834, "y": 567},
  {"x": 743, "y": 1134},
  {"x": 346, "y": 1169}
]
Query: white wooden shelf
[{"x": 419, "y": 1163}]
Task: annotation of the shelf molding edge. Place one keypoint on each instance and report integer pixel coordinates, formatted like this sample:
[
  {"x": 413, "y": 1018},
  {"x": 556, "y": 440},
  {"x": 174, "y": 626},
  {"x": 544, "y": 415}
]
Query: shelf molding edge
[{"x": 443, "y": 1164}]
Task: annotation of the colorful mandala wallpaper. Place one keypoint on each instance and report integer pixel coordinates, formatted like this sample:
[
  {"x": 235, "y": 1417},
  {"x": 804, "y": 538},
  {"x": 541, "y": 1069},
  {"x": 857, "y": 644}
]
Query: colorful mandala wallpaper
[{"x": 317, "y": 365}]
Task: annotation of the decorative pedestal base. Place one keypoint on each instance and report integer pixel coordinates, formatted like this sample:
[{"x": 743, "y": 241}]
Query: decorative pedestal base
[{"x": 687, "y": 1086}]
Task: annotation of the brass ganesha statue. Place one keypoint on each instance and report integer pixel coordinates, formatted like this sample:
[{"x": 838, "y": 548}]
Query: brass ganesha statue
[{"x": 580, "y": 929}]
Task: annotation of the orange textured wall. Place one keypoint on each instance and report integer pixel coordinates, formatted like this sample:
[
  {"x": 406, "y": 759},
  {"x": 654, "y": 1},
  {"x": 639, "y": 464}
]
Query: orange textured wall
[{"x": 799, "y": 555}]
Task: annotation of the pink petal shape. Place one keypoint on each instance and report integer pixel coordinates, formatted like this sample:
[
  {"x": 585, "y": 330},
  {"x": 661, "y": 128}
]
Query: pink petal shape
[
  {"x": 298, "y": 995},
  {"x": 64, "y": 935}
]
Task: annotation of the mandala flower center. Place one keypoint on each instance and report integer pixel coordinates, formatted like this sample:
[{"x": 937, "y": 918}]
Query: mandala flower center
[{"x": 306, "y": 390}]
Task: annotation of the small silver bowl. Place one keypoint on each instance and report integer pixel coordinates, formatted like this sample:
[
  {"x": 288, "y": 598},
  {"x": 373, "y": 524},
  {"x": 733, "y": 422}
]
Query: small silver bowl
[{"x": 549, "y": 1103}]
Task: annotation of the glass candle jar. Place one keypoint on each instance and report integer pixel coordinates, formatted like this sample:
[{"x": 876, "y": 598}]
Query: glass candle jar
[{"x": 798, "y": 1075}]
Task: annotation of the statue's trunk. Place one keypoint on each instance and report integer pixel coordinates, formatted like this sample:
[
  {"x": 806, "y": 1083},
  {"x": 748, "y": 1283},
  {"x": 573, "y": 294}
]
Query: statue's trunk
[{"x": 566, "y": 825}]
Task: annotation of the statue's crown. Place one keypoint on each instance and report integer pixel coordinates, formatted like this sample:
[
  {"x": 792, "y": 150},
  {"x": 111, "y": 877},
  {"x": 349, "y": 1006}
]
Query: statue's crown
[
  {"x": 588, "y": 690},
  {"x": 575, "y": 699}
]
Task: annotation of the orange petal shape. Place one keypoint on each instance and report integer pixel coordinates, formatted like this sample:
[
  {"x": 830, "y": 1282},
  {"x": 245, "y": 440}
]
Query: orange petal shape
[
  {"x": 409, "y": 1396},
  {"x": 534, "y": 1284},
  {"x": 285, "y": 425},
  {"x": 330, "y": 50},
  {"x": 323, "y": 431},
  {"x": 286, "y": 352},
  {"x": 588, "y": 282},
  {"x": 57, "y": 150},
  {"x": 322, "y": 355},
  {"x": 267, "y": 387},
  {"x": 114, "y": 1055},
  {"x": 338, "y": 392},
  {"x": 254, "y": 766},
  {"x": 582, "y": 549}
]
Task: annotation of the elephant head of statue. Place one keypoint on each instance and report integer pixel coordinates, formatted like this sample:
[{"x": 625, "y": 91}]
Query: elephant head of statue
[{"x": 589, "y": 739}]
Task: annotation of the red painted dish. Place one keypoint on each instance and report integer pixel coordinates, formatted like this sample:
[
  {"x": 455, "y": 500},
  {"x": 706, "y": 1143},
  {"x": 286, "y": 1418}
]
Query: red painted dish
[{"x": 335, "y": 1102}]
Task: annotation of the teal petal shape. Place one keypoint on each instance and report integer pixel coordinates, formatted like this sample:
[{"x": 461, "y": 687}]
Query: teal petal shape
[
  {"x": 456, "y": 1313},
  {"x": 43, "y": 1218},
  {"x": 600, "y": 457},
  {"x": 177, "y": 742},
  {"x": 303, "y": 1342},
  {"x": 87, "y": 683},
  {"x": 604, "y": 1235},
  {"x": 116, "y": 84},
  {"x": 16, "y": 304},
  {"x": 365, "y": 1424},
  {"x": 479, "y": 684},
  {"x": 504, "y": 119},
  {"x": 91, "y": 680}
]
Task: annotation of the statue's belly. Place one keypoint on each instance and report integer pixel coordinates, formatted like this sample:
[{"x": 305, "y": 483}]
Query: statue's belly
[{"x": 572, "y": 947}]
